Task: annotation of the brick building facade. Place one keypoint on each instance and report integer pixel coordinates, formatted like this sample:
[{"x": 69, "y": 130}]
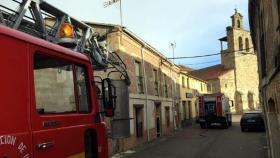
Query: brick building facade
[
  {"x": 155, "y": 102},
  {"x": 153, "y": 93},
  {"x": 265, "y": 27}
]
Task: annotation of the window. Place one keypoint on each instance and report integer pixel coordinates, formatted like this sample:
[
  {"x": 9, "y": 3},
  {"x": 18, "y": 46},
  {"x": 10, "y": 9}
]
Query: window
[
  {"x": 210, "y": 107},
  {"x": 139, "y": 77},
  {"x": 247, "y": 45},
  {"x": 240, "y": 41},
  {"x": 209, "y": 87},
  {"x": 60, "y": 86},
  {"x": 238, "y": 24},
  {"x": 271, "y": 106},
  {"x": 183, "y": 81},
  {"x": 82, "y": 89},
  {"x": 188, "y": 83},
  {"x": 139, "y": 121},
  {"x": 167, "y": 116},
  {"x": 225, "y": 85},
  {"x": 165, "y": 86},
  {"x": 201, "y": 86},
  {"x": 155, "y": 80}
]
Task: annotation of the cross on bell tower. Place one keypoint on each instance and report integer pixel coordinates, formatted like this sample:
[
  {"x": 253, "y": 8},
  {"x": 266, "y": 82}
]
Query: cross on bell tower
[{"x": 237, "y": 20}]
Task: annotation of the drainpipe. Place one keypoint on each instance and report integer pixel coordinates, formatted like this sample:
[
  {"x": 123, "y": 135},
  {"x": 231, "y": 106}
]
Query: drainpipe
[{"x": 146, "y": 91}]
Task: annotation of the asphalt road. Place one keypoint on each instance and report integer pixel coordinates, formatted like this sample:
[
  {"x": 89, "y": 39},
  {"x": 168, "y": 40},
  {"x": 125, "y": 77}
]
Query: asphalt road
[{"x": 194, "y": 142}]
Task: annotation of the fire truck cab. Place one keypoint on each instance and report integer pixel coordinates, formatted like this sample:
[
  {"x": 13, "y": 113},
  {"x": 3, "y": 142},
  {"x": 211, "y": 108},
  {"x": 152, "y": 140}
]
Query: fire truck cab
[
  {"x": 49, "y": 105},
  {"x": 214, "y": 108}
]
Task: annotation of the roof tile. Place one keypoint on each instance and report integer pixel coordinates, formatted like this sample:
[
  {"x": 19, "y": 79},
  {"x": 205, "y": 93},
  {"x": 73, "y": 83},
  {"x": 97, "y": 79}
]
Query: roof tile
[{"x": 211, "y": 72}]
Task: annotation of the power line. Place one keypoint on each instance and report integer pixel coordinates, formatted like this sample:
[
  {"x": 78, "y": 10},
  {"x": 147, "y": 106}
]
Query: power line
[
  {"x": 215, "y": 60},
  {"x": 207, "y": 55},
  {"x": 203, "y": 62}
]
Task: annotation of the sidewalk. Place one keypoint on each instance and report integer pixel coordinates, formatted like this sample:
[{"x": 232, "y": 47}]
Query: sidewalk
[{"x": 128, "y": 153}]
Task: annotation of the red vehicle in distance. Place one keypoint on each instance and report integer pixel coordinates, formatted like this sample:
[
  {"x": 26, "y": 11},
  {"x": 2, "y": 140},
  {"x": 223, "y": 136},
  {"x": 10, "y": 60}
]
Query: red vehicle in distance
[{"x": 214, "y": 108}]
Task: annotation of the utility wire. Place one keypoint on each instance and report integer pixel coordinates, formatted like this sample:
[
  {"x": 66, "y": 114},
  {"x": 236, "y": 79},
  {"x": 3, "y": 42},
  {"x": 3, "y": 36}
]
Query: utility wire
[
  {"x": 213, "y": 61},
  {"x": 207, "y": 55},
  {"x": 203, "y": 62}
]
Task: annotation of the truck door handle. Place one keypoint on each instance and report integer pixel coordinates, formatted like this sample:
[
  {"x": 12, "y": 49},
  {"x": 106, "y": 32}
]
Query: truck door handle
[{"x": 46, "y": 145}]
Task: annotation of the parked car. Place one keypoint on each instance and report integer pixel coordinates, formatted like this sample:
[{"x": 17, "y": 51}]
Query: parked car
[{"x": 252, "y": 121}]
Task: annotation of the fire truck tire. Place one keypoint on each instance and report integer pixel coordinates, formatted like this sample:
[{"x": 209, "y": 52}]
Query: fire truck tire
[
  {"x": 225, "y": 124},
  {"x": 203, "y": 125}
]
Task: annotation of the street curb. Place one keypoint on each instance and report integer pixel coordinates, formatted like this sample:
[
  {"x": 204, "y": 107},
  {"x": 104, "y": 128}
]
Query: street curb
[{"x": 128, "y": 153}]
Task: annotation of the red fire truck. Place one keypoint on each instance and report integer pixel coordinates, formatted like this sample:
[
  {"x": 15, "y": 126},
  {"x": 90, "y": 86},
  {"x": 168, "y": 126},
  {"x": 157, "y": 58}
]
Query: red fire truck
[
  {"x": 214, "y": 108},
  {"x": 49, "y": 98}
]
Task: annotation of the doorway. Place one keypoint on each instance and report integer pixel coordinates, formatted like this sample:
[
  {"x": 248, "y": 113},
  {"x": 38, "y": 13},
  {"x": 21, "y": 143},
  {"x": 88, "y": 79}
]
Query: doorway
[
  {"x": 189, "y": 110},
  {"x": 158, "y": 119},
  {"x": 238, "y": 102},
  {"x": 184, "y": 110}
]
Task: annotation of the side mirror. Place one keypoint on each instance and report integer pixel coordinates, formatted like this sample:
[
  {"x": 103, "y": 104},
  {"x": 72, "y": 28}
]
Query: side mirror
[{"x": 108, "y": 97}]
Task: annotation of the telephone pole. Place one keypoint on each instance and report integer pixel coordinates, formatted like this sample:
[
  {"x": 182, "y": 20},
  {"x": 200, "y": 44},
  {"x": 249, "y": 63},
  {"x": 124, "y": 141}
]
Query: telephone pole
[
  {"x": 111, "y": 2},
  {"x": 174, "y": 110}
]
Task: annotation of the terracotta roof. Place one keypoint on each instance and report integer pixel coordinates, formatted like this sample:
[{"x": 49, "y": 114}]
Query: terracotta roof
[
  {"x": 192, "y": 76},
  {"x": 211, "y": 72},
  {"x": 185, "y": 68}
]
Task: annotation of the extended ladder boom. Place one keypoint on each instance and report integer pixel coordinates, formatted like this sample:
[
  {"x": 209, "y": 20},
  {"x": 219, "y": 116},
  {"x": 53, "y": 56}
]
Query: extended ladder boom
[{"x": 38, "y": 18}]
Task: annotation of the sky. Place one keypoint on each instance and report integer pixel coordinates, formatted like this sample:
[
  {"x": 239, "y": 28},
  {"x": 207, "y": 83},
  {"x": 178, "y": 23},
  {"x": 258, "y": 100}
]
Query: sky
[{"x": 195, "y": 25}]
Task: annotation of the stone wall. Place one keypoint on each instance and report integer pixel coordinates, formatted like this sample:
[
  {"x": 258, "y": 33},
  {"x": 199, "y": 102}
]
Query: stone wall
[
  {"x": 242, "y": 83},
  {"x": 214, "y": 86},
  {"x": 246, "y": 70},
  {"x": 264, "y": 23}
]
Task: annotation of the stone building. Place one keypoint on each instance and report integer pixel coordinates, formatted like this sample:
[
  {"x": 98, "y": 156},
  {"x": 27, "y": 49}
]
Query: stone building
[
  {"x": 264, "y": 18},
  {"x": 153, "y": 93},
  {"x": 190, "y": 88},
  {"x": 237, "y": 75}
]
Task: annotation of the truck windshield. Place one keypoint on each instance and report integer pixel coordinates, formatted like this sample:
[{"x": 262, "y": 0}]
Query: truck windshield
[
  {"x": 210, "y": 107},
  {"x": 60, "y": 86}
]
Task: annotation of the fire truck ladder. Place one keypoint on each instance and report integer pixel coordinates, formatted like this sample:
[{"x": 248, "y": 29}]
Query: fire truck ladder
[{"x": 40, "y": 19}]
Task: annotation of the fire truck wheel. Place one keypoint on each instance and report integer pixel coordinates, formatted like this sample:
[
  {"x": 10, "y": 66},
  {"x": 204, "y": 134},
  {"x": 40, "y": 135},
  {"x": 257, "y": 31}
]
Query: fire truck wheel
[
  {"x": 225, "y": 124},
  {"x": 203, "y": 125}
]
